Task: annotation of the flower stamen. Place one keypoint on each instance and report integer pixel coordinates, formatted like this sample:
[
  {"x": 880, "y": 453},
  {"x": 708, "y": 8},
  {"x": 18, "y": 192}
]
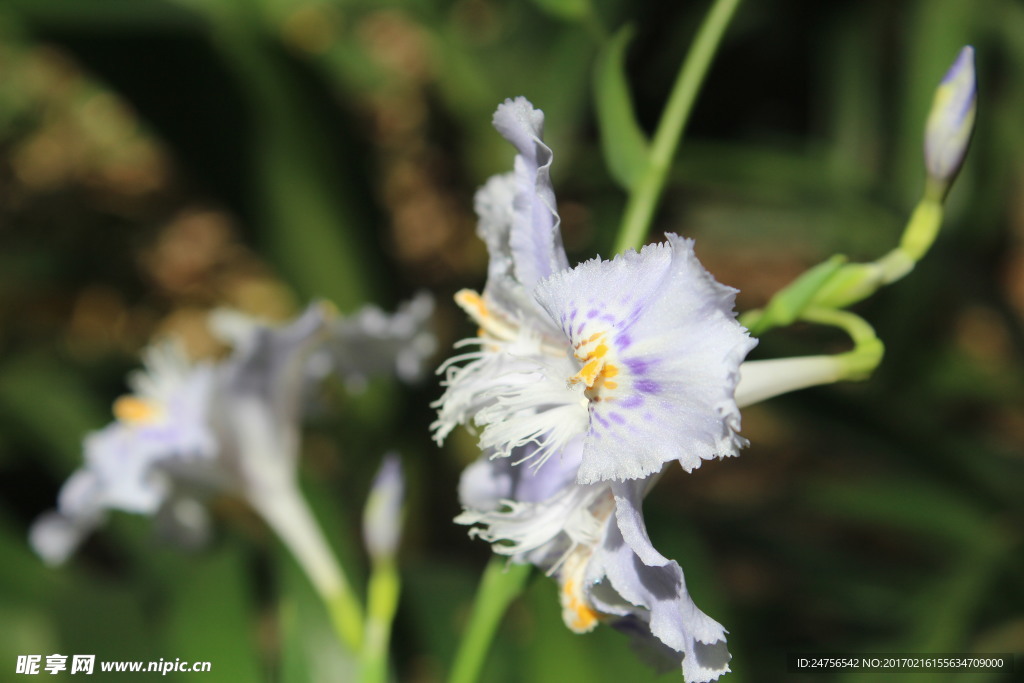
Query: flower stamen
[
  {"x": 597, "y": 372},
  {"x": 475, "y": 307}
]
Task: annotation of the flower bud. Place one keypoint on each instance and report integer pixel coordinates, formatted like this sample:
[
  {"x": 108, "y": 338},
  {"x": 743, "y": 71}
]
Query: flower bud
[
  {"x": 382, "y": 516},
  {"x": 949, "y": 126}
]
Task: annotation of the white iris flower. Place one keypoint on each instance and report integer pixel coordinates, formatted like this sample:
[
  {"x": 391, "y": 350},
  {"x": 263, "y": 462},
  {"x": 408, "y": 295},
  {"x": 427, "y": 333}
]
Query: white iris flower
[
  {"x": 639, "y": 355},
  {"x": 596, "y": 376}
]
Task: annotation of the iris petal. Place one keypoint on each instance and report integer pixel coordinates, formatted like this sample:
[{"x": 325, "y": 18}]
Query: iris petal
[{"x": 660, "y": 349}]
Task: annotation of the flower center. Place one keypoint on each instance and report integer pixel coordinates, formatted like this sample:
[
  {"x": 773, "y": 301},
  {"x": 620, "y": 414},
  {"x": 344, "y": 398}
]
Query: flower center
[{"x": 597, "y": 371}]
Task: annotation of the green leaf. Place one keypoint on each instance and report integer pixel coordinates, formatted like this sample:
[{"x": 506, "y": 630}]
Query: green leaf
[{"x": 623, "y": 143}]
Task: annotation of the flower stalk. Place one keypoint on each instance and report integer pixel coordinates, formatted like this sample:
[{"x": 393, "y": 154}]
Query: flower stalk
[
  {"x": 644, "y": 195},
  {"x": 501, "y": 583},
  {"x": 836, "y": 284},
  {"x": 382, "y": 603}
]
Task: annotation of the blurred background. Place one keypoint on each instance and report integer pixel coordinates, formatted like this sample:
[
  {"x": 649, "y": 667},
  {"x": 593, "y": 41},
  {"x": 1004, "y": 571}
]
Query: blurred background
[{"x": 159, "y": 158}]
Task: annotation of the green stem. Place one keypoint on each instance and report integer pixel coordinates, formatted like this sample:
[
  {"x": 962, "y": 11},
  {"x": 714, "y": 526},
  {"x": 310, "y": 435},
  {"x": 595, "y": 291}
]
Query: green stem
[
  {"x": 836, "y": 284},
  {"x": 644, "y": 196},
  {"x": 922, "y": 229},
  {"x": 500, "y": 585},
  {"x": 286, "y": 512},
  {"x": 868, "y": 349},
  {"x": 382, "y": 602}
]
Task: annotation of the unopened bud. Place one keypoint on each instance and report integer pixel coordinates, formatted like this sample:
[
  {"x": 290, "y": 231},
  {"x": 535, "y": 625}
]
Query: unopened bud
[
  {"x": 382, "y": 517},
  {"x": 951, "y": 121}
]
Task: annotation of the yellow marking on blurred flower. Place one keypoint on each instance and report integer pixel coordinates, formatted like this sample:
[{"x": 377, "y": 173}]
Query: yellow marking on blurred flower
[{"x": 135, "y": 410}]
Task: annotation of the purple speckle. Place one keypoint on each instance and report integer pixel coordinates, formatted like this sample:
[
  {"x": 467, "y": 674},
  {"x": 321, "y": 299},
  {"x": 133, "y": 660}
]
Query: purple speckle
[
  {"x": 622, "y": 341},
  {"x": 600, "y": 420},
  {"x": 608, "y": 318},
  {"x": 637, "y": 366},
  {"x": 579, "y": 330},
  {"x": 617, "y": 418},
  {"x": 592, "y": 313},
  {"x": 647, "y": 386},
  {"x": 632, "y": 401}
]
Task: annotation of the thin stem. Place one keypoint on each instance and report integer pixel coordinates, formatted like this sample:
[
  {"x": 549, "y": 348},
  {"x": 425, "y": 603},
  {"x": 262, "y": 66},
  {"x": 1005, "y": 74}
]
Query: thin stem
[
  {"x": 500, "y": 585},
  {"x": 922, "y": 228},
  {"x": 287, "y": 513},
  {"x": 382, "y": 603},
  {"x": 836, "y": 284},
  {"x": 644, "y": 196}
]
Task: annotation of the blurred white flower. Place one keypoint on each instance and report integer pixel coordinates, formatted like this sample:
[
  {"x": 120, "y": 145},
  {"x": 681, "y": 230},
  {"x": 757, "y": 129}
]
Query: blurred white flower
[{"x": 189, "y": 429}]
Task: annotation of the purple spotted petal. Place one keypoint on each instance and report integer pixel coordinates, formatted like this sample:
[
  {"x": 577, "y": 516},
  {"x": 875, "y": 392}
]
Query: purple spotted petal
[{"x": 664, "y": 335}]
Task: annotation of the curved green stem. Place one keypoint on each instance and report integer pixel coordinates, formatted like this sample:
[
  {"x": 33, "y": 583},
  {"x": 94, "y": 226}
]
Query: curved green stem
[
  {"x": 836, "y": 284},
  {"x": 859, "y": 363},
  {"x": 645, "y": 194},
  {"x": 500, "y": 585}
]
